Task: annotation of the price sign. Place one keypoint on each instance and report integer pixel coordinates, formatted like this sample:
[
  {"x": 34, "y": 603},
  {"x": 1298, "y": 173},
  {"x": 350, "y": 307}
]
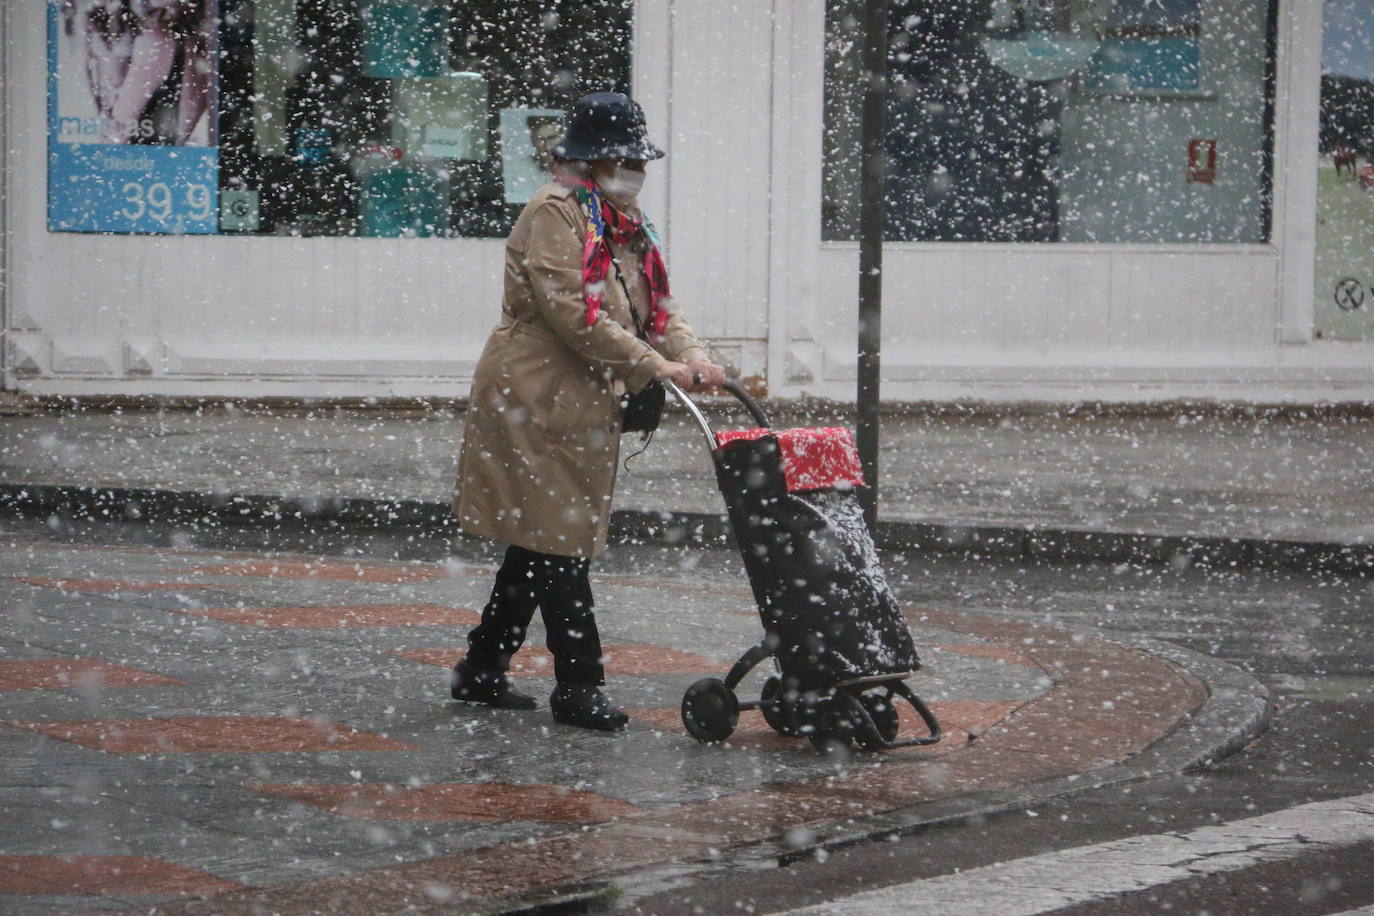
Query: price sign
[{"x": 134, "y": 189}]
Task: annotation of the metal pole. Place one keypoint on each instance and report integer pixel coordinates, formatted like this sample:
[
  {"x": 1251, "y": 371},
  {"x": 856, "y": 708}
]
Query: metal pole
[{"x": 871, "y": 247}]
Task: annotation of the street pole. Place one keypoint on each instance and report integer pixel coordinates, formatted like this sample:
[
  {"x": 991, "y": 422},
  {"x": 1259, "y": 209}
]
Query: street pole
[{"x": 874, "y": 167}]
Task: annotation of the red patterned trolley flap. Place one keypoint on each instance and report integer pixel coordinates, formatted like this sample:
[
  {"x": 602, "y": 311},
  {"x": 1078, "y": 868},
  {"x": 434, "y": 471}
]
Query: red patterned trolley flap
[{"x": 824, "y": 458}]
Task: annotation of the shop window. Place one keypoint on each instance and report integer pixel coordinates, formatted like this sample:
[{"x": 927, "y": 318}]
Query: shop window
[
  {"x": 1148, "y": 46},
  {"x": 389, "y": 118},
  {"x": 1344, "y": 291},
  {"x": 1059, "y": 120}
]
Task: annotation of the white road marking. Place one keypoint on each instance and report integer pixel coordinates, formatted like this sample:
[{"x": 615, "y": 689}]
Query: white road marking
[{"x": 1041, "y": 884}]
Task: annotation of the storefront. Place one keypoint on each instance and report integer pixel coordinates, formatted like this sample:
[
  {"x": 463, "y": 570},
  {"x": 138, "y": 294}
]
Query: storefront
[{"x": 1103, "y": 199}]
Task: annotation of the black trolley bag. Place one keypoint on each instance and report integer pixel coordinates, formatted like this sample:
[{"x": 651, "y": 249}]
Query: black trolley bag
[{"x": 839, "y": 643}]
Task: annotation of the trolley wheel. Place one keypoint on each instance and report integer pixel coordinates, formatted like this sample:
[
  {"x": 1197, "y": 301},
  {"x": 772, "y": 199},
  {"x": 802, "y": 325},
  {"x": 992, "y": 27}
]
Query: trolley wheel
[
  {"x": 778, "y": 712},
  {"x": 710, "y": 710},
  {"x": 884, "y": 715},
  {"x": 837, "y": 717}
]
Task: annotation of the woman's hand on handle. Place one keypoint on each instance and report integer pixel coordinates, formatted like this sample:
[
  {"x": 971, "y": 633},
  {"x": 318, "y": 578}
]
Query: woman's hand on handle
[
  {"x": 706, "y": 374},
  {"x": 697, "y": 374},
  {"x": 676, "y": 372}
]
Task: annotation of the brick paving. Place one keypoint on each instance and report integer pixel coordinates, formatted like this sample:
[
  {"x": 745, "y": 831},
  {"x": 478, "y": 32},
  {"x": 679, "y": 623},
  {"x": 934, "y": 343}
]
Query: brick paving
[
  {"x": 274, "y": 732},
  {"x": 52, "y": 875},
  {"x": 327, "y": 617},
  {"x": 211, "y": 735},
  {"x": 64, "y": 673},
  {"x": 618, "y": 660}
]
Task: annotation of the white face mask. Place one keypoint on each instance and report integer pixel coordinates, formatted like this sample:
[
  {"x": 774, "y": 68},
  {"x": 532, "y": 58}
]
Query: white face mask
[{"x": 622, "y": 182}]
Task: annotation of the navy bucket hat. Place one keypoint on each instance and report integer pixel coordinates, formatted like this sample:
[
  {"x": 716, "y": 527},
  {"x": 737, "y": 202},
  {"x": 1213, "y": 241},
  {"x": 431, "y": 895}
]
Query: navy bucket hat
[{"x": 606, "y": 125}]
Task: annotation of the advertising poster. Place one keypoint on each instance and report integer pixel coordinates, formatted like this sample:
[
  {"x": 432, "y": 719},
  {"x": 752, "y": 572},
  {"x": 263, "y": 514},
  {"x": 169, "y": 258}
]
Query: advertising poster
[
  {"x": 1344, "y": 294},
  {"x": 527, "y": 137},
  {"x": 131, "y": 109}
]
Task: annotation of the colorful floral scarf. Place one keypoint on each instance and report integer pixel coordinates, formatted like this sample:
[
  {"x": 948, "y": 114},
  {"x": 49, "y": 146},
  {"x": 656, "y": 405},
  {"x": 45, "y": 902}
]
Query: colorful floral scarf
[{"x": 604, "y": 220}]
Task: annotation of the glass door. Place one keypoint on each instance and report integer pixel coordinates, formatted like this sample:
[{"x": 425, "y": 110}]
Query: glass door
[{"x": 1345, "y": 174}]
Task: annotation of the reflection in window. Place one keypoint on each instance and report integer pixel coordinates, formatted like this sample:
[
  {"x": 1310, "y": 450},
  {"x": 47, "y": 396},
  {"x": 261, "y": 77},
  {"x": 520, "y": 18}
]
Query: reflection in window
[
  {"x": 1149, "y": 45},
  {"x": 401, "y": 117},
  {"x": 1056, "y": 120}
]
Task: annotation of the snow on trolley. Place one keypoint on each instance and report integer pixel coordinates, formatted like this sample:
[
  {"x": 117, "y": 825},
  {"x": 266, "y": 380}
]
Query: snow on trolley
[{"x": 839, "y": 644}]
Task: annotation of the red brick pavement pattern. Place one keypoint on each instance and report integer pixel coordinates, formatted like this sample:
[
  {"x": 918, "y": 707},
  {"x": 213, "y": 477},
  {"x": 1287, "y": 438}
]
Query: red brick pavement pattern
[
  {"x": 459, "y": 802},
  {"x": 104, "y": 875},
  {"x": 960, "y": 722},
  {"x": 436, "y": 885},
  {"x": 212, "y": 735},
  {"x": 354, "y": 615},
  {"x": 107, "y": 585},
  {"x": 327, "y": 570},
  {"x": 620, "y": 661},
  {"x": 475, "y": 571},
  {"x": 88, "y": 673},
  {"x": 977, "y": 650},
  {"x": 1085, "y": 721}
]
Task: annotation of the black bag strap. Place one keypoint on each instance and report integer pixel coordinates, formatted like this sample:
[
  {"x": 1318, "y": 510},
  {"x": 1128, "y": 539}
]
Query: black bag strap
[
  {"x": 629, "y": 300},
  {"x": 648, "y": 437}
]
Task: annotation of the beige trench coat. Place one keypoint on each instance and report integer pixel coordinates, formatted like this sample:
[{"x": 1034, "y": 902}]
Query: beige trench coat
[{"x": 541, "y": 444}]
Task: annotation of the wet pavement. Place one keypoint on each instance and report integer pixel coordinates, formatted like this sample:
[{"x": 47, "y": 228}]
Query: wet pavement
[
  {"x": 269, "y": 729},
  {"x": 264, "y": 721},
  {"x": 1074, "y": 482}
]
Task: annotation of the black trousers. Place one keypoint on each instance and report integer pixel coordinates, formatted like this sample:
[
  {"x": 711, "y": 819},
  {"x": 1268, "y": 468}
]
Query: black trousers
[{"x": 558, "y": 587}]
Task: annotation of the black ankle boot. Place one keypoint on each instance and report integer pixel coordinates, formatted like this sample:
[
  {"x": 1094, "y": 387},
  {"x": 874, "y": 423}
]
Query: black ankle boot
[
  {"x": 585, "y": 706},
  {"x": 489, "y": 686}
]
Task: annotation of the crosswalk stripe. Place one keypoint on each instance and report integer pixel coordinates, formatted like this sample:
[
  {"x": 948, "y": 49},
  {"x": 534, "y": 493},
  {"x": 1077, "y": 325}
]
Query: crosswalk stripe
[{"x": 1043, "y": 883}]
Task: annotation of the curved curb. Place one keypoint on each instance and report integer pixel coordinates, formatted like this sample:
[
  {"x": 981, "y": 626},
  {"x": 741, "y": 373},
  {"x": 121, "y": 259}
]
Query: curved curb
[{"x": 1236, "y": 710}]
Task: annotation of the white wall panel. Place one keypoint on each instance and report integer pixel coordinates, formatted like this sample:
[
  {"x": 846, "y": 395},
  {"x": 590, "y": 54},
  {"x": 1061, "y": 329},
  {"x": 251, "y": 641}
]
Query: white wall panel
[
  {"x": 796, "y": 295},
  {"x": 275, "y": 356},
  {"x": 963, "y": 299},
  {"x": 96, "y": 355},
  {"x": 1295, "y": 162},
  {"x": 310, "y": 295},
  {"x": 720, "y": 150}
]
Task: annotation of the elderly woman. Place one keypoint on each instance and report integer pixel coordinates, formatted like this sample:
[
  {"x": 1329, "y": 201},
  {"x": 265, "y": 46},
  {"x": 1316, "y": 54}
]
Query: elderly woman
[{"x": 586, "y": 317}]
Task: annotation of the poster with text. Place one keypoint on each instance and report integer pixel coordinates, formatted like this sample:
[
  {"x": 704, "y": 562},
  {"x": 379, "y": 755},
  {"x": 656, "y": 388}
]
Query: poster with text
[{"x": 131, "y": 108}]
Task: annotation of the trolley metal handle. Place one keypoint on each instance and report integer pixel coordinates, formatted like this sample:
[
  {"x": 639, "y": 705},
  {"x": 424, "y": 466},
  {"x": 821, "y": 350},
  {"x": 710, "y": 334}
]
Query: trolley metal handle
[{"x": 731, "y": 386}]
